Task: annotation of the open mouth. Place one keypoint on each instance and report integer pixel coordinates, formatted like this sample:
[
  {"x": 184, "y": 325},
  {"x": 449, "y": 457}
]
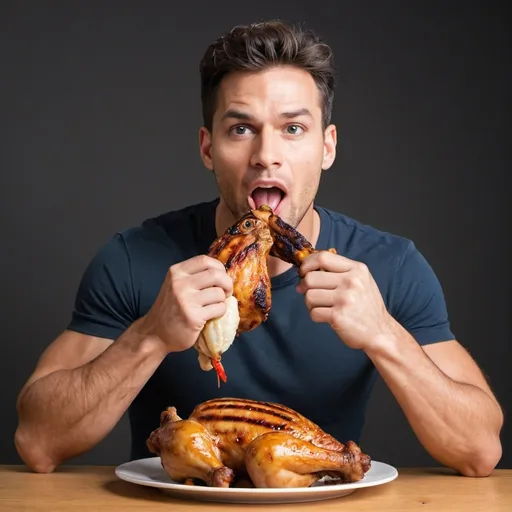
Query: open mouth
[{"x": 271, "y": 196}]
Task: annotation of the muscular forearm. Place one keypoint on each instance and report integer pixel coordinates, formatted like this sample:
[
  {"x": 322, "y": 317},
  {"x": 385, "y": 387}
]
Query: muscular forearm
[
  {"x": 67, "y": 412},
  {"x": 457, "y": 423}
]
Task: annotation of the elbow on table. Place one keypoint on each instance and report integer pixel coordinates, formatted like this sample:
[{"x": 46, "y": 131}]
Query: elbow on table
[
  {"x": 32, "y": 454},
  {"x": 484, "y": 463}
]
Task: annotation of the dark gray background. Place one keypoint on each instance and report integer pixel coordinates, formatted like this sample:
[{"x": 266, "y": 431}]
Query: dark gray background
[{"x": 100, "y": 110}]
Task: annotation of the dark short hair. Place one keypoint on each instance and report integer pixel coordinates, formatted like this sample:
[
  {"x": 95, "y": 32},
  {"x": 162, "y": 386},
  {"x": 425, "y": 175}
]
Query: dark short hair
[{"x": 260, "y": 46}]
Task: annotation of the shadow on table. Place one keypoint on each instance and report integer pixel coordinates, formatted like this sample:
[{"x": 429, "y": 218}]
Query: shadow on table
[
  {"x": 139, "y": 492},
  {"x": 133, "y": 491}
]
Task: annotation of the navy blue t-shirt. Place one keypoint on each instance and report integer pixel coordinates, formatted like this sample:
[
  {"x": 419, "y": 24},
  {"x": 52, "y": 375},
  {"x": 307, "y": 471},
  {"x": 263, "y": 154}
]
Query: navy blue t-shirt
[{"x": 289, "y": 359}]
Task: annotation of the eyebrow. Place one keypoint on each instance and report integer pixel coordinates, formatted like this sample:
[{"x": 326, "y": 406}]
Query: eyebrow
[{"x": 237, "y": 114}]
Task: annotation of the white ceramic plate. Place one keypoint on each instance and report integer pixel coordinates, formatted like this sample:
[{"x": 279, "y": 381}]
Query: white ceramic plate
[{"x": 149, "y": 472}]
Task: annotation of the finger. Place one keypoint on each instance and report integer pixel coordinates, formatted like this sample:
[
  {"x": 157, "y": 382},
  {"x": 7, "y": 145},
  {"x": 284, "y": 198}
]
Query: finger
[
  {"x": 212, "y": 277},
  {"x": 198, "y": 264},
  {"x": 325, "y": 260},
  {"x": 317, "y": 279},
  {"x": 211, "y": 295},
  {"x": 321, "y": 314},
  {"x": 212, "y": 311},
  {"x": 316, "y": 298}
]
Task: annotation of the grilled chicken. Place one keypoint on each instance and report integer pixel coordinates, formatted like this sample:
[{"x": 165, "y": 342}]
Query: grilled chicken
[
  {"x": 243, "y": 249},
  {"x": 188, "y": 451},
  {"x": 272, "y": 445},
  {"x": 289, "y": 245},
  {"x": 278, "y": 459}
]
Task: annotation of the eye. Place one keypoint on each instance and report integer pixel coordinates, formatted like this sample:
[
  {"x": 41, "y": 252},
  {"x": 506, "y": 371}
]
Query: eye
[
  {"x": 247, "y": 224},
  {"x": 294, "y": 129},
  {"x": 240, "y": 130}
]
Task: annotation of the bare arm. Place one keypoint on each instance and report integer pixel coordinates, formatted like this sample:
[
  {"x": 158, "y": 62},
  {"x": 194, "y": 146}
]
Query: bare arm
[
  {"x": 80, "y": 388},
  {"x": 446, "y": 400},
  {"x": 441, "y": 390},
  {"x": 82, "y": 385}
]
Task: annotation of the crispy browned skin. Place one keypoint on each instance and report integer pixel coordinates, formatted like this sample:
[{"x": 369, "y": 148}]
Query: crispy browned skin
[
  {"x": 235, "y": 435},
  {"x": 244, "y": 249},
  {"x": 278, "y": 459},
  {"x": 289, "y": 245},
  {"x": 187, "y": 451}
]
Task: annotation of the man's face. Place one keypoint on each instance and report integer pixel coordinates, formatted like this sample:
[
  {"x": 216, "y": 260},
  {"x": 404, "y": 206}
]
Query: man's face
[{"x": 267, "y": 143}]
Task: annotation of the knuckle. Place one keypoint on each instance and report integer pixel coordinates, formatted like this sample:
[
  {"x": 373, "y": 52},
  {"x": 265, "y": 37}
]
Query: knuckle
[
  {"x": 218, "y": 310},
  {"x": 220, "y": 294},
  {"x": 350, "y": 299},
  {"x": 308, "y": 279},
  {"x": 226, "y": 281},
  {"x": 362, "y": 267},
  {"x": 204, "y": 260},
  {"x": 213, "y": 262},
  {"x": 353, "y": 281},
  {"x": 322, "y": 257}
]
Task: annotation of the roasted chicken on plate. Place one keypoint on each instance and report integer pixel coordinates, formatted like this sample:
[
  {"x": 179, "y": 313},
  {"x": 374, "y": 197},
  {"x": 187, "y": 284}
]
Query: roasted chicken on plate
[
  {"x": 228, "y": 440},
  {"x": 244, "y": 249}
]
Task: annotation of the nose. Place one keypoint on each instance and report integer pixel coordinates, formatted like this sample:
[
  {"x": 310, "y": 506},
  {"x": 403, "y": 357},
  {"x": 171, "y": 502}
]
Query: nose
[{"x": 267, "y": 151}]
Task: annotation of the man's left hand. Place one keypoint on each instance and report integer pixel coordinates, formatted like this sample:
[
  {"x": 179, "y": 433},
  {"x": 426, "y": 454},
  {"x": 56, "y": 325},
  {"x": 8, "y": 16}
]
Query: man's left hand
[{"x": 343, "y": 293}]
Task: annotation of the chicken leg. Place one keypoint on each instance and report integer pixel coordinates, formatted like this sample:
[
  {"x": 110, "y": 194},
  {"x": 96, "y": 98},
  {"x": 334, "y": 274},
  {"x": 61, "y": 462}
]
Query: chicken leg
[
  {"x": 243, "y": 249},
  {"x": 278, "y": 459},
  {"x": 188, "y": 451}
]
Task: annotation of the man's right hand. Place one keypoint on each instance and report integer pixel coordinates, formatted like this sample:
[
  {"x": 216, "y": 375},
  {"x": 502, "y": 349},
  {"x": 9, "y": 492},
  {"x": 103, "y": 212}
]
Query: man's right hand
[{"x": 193, "y": 292}]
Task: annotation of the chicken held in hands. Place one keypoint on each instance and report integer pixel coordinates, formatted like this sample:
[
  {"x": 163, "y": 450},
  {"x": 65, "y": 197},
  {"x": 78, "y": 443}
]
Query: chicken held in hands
[
  {"x": 271, "y": 445},
  {"x": 244, "y": 249}
]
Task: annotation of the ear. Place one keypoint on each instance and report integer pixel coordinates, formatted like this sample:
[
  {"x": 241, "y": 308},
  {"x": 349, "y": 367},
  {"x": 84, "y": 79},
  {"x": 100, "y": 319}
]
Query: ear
[
  {"x": 330, "y": 140},
  {"x": 205, "y": 147}
]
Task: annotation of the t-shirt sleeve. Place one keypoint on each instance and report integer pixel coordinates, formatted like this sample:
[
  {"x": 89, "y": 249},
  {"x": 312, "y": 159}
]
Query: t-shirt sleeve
[
  {"x": 104, "y": 303},
  {"x": 419, "y": 303}
]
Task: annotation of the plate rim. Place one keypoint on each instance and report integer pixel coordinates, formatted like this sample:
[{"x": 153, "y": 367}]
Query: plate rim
[{"x": 194, "y": 489}]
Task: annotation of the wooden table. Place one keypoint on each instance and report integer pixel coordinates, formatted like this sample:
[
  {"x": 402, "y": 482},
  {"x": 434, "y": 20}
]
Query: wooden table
[{"x": 96, "y": 488}]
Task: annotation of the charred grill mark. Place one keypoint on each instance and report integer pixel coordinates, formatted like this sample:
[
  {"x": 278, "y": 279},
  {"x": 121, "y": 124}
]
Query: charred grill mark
[
  {"x": 234, "y": 230},
  {"x": 285, "y": 229},
  {"x": 217, "y": 246},
  {"x": 243, "y": 419},
  {"x": 260, "y": 296},
  {"x": 248, "y": 407},
  {"x": 285, "y": 248},
  {"x": 252, "y": 403},
  {"x": 238, "y": 257}
]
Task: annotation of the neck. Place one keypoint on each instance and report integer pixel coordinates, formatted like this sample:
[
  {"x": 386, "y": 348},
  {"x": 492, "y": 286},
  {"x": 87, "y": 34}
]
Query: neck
[{"x": 308, "y": 227}]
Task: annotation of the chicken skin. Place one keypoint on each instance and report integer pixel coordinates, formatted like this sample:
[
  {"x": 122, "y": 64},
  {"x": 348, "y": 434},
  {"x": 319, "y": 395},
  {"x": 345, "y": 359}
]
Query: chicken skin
[
  {"x": 244, "y": 249},
  {"x": 288, "y": 244},
  {"x": 188, "y": 451},
  {"x": 278, "y": 459},
  {"x": 267, "y": 443}
]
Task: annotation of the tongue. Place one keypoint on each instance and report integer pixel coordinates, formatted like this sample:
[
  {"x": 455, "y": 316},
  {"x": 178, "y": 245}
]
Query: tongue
[{"x": 269, "y": 196}]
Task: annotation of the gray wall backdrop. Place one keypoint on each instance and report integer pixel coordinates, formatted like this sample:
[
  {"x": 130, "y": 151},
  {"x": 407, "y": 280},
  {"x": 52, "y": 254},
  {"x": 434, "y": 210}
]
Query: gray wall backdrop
[{"x": 100, "y": 109}]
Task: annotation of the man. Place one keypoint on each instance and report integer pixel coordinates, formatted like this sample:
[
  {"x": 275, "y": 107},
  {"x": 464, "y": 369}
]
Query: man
[{"x": 376, "y": 306}]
